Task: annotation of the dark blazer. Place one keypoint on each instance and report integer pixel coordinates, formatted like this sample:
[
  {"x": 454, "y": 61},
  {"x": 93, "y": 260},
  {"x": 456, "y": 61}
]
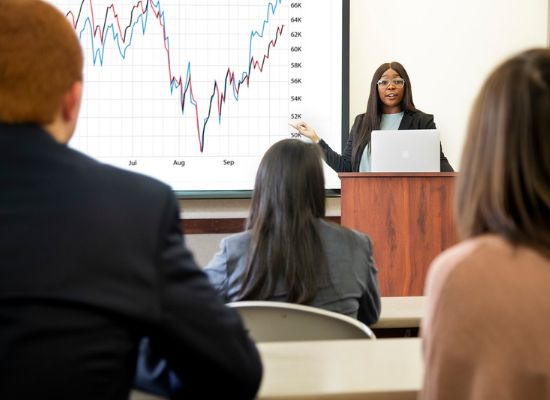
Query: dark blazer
[
  {"x": 91, "y": 260},
  {"x": 411, "y": 120}
]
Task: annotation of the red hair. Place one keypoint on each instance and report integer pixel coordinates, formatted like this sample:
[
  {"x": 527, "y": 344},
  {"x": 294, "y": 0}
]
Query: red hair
[{"x": 40, "y": 58}]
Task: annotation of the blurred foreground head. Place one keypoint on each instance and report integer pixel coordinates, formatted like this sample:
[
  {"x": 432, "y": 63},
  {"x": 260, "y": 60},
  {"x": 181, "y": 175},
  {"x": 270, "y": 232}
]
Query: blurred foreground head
[{"x": 504, "y": 185}]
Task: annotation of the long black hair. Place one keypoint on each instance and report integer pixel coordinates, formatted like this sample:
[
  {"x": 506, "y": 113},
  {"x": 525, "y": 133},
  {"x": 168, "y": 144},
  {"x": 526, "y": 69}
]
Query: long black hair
[
  {"x": 288, "y": 200},
  {"x": 373, "y": 115}
]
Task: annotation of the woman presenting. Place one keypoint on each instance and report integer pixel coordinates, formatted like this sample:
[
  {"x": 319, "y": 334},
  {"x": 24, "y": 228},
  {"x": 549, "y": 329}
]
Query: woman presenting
[{"x": 390, "y": 106}]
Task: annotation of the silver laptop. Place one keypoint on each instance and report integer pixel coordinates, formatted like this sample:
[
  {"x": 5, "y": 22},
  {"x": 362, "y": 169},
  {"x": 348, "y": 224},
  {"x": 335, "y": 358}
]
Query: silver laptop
[{"x": 405, "y": 150}]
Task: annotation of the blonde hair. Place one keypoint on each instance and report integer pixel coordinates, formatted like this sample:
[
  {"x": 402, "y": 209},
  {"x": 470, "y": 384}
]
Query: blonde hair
[{"x": 40, "y": 58}]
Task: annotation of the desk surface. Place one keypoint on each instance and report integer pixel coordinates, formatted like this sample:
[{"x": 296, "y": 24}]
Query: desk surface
[
  {"x": 401, "y": 312},
  {"x": 342, "y": 369}
]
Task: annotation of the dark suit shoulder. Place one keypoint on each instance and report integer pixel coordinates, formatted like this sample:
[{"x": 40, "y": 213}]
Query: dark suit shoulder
[
  {"x": 108, "y": 195},
  {"x": 417, "y": 120},
  {"x": 422, "y": 116},
  {"x": 117, "y": 181},
  {"x": 359, "y": 119},
  {"x": 136, "y": 180},
  {"x": 357, "y": 124},
  {"x": 419, "y": 114}
]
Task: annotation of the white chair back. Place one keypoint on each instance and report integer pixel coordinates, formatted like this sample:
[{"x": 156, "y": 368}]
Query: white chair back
[{"x": 272, "y": 321}]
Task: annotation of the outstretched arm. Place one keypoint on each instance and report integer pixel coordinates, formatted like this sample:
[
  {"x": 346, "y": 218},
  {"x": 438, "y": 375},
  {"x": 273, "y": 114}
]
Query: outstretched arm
[{"x": 339, "y": 163}]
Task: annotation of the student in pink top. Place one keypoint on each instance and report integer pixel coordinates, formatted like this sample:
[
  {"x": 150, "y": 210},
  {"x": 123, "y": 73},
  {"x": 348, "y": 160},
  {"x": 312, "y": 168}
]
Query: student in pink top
[{"x": 487, "y": 330}]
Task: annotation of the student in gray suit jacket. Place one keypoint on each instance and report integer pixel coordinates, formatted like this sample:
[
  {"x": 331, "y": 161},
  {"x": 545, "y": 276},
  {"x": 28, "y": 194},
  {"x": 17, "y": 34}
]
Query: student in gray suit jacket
[{"x": 289, "y": 252}]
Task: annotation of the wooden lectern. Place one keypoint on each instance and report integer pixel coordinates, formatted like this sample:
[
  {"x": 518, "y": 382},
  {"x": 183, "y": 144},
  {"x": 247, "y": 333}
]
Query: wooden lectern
[{"x": 409, "y": 217}]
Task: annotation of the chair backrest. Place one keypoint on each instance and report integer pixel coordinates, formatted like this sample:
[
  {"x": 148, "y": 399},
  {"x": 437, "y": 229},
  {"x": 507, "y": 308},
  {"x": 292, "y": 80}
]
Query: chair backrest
[{"x": 272, "y": 321}]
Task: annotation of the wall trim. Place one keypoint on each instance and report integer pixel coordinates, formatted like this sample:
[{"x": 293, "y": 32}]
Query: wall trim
[{"x": 221, "y": 225}]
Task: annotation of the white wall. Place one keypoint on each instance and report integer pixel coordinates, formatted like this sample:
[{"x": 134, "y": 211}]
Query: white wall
[{"x": 447, "y": 47}]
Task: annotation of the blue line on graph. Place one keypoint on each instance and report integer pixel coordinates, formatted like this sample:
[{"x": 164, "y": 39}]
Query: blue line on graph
[{"x": 143, "y": 18}]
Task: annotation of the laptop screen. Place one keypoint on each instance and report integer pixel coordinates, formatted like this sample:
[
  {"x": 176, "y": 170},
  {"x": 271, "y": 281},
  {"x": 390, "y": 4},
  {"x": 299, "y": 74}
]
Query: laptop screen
[{"x": 405, "y": 150}]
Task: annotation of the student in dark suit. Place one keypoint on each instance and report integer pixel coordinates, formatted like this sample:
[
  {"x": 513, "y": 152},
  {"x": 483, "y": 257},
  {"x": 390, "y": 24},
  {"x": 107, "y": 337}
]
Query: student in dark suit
[
  {"x": 390, "y": 106},
  {"x": 92, "y": 257},
  {"x": 289, "y": 252}
]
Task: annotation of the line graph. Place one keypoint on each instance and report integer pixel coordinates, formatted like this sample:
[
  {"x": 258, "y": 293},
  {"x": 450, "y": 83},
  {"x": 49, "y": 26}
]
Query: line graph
[
  {"x": 183, "y": 85},
  {"x": 194, "y": 92}
]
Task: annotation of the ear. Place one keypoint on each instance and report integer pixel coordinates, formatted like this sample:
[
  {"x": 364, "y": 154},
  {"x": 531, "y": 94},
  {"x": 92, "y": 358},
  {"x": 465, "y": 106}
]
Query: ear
[{"x": 71, "y": 103}]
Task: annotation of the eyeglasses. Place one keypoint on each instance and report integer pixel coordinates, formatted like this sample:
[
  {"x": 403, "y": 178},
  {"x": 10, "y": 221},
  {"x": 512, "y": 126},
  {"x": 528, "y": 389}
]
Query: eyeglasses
[{"x": 397, "y": 82}]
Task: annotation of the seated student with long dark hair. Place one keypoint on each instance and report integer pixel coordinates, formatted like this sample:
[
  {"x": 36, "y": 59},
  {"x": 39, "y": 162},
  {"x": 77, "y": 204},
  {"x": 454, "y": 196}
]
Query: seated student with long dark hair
[{"x": 289, "y": 252}]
